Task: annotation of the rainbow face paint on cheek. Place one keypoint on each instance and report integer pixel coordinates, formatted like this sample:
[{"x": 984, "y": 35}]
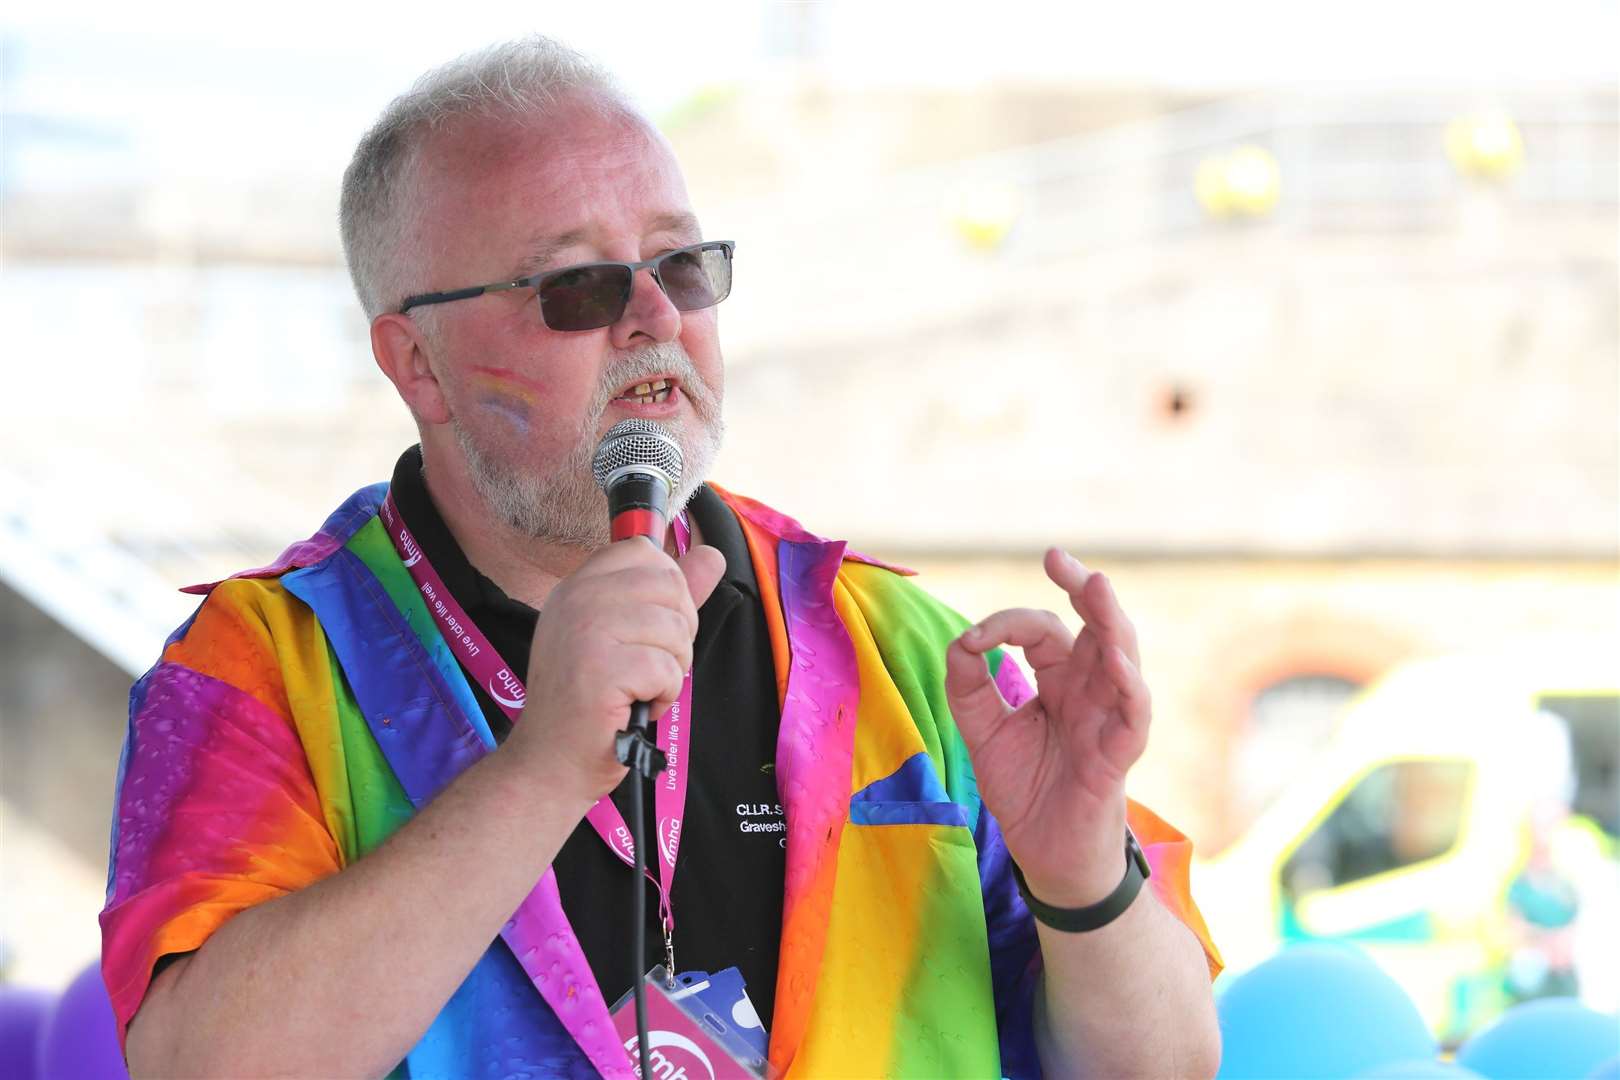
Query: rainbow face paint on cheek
[
  {"x": 514, "y": 412},
  {"x": 506, "y": 393},
  {"x": 507, "y": 381}
]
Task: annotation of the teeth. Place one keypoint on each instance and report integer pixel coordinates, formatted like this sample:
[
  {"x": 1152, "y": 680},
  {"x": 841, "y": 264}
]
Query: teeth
[{"x": 648, "y": 393}]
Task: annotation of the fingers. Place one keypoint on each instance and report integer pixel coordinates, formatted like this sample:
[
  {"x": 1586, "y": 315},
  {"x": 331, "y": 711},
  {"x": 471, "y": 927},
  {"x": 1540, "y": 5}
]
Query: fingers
[
  {"x": 1111, "y": 685},
  {"x": 1100, "y": 666},
  {"x": 653, "y": 626},
  {"x": 1041, "y": 634},
  {"x": 618, "y": 630},
  {"x": 620, "y": 555},
  {"x": 976, "y": 704},
  {"x": 975, "y": 700},
  {"x": 703, "y": 567},
  {"x": 697, "y": 572},
  {"x": 651, "y": 601},
  {"x": 965, "y": 669},
  {"x": 650, "y": 673},
  {"x": 1136, "y": 703},
  {"x": 633, "y": 571},
  {"x": 1123, "y": 744},
  {"x": 1092, "y": 596}
]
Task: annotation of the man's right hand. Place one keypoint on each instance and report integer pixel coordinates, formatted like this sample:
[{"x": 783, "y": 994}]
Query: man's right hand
[{"x": 616, "y": 631}]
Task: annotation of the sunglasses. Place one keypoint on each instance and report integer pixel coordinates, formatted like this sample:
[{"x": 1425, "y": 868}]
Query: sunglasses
[{"x": 593, "y": 295}]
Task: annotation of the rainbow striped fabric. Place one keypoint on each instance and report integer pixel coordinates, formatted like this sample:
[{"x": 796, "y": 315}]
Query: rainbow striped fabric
[{"x": 309, "y": 708}]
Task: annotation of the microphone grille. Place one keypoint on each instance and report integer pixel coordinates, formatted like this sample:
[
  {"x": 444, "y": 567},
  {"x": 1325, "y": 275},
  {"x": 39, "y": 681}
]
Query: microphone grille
[{"x": 637, "y": 442}]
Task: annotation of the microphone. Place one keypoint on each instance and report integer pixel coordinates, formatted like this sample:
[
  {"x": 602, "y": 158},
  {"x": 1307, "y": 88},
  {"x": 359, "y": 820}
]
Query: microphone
[{"x": 638, "y": 465}]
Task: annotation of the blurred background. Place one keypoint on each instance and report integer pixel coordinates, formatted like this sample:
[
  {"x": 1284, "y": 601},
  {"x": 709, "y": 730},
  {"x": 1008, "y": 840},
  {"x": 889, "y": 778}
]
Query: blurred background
[{"x": 1300, "y": 322}]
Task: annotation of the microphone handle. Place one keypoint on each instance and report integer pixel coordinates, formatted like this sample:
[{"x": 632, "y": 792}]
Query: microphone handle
[{"x": 641, "y": 716}]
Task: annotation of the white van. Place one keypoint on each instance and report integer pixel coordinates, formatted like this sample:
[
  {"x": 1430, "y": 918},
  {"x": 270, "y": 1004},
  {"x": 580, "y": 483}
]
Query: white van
[{"x": 1406, "y": 831}]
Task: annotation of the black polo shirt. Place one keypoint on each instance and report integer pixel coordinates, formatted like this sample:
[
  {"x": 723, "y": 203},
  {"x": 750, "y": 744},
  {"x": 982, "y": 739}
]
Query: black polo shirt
[{"x": 729, "y": 874}]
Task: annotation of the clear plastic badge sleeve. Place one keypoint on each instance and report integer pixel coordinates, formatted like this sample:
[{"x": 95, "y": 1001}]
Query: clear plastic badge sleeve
[{"x": 683, "y": 1044}]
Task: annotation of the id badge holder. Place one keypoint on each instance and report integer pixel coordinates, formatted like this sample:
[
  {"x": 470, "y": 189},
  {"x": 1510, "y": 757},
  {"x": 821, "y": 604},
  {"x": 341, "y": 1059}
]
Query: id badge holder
[
  {"x": 702, "y": 1045},
  {"x": 721, "y": 1004}
]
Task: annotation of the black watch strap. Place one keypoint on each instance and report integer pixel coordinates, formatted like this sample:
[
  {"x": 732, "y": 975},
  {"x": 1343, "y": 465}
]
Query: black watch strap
[{"x": 1104, "y": 911}]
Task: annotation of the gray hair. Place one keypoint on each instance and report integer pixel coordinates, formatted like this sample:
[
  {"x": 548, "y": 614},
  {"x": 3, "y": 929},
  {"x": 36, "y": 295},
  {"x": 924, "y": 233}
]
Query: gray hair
[{"x": 378, "y": 213}]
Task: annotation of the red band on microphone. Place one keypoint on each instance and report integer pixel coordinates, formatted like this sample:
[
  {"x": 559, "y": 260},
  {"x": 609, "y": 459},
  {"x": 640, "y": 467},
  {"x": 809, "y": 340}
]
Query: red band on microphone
[{"x": 648, "y": 523}]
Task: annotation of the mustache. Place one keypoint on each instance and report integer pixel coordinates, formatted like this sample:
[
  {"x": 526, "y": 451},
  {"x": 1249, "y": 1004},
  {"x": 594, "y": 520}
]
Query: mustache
[{"x": 647, "y": 362}]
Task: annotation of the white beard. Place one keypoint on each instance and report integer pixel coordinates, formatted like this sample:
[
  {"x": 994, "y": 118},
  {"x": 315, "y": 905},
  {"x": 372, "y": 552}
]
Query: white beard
[{"x": 564, "y": 506}]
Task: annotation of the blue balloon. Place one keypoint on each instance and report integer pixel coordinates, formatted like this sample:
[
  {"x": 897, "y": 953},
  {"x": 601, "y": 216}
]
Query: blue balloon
[
  {"x": 1317, "y": 1010},
  {"x": 1546, "y": 1039},
  {"x": 23, "y": 1013},
  {"x": 80, "y": 1040},
  {"x": 1609, "y": 1070},
  {"x": 1419, "y": 1069}
]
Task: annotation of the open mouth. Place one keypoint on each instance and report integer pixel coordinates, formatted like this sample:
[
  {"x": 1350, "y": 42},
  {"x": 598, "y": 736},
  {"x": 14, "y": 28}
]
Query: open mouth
[{"x": 648, "y": 393}]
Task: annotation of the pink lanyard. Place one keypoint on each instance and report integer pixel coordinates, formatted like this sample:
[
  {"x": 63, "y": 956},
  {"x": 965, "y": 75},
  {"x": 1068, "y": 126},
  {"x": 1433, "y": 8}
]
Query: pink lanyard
[{"x": 484, "y": 664}]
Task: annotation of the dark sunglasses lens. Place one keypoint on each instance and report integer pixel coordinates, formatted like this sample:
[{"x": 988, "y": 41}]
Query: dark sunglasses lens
[
  {"x": 585, "y": 297},
  {"x": 697, "y": 277}
]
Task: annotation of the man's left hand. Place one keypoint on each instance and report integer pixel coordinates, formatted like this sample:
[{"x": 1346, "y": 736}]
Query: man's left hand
[{"x": 1053, "y": 770}]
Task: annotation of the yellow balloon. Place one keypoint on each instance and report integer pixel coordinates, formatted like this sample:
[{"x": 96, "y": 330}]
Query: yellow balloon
[
  {"x": 983, "y": 215},
  {"x": 1244, "y": 182},
  {"x": 1254, "y": 179},
  {"x": 1485, "y": 145},
  {"x": 1209, "y": 184}
]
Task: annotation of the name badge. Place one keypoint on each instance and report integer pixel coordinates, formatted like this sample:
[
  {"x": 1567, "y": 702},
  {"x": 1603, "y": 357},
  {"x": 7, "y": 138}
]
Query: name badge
[{"x": 699, "y": 1027}]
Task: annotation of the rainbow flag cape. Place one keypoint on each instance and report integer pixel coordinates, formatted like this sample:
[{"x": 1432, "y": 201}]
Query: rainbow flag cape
[{"x": 310, "y": 707}]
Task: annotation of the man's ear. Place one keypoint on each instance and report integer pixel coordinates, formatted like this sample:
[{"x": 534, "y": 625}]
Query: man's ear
[{"x": 401, "y": 351}]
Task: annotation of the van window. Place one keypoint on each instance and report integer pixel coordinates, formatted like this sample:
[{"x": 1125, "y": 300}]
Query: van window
[
  {"x": 1399, "y": 814},
  {"x": 1594, "y": 732}
]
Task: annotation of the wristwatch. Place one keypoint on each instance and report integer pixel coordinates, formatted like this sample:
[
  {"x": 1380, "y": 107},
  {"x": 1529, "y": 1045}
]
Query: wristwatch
[{"x": 1078, "y": 920}]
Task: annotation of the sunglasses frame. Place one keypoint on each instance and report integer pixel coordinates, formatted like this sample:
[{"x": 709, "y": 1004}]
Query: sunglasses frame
[{"x": 536, "y": 281}]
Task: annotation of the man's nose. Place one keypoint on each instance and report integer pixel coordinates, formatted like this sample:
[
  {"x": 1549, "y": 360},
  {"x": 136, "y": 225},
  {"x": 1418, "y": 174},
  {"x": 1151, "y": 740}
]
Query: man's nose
[{"x": 649, "y": 314}]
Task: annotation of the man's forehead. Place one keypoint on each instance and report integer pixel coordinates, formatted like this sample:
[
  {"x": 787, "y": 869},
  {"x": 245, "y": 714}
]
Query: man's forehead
[
  {"x": 565, "y": 138},
  {"x": 565, "y": 158},
  {"x": 574, "y": 177}
]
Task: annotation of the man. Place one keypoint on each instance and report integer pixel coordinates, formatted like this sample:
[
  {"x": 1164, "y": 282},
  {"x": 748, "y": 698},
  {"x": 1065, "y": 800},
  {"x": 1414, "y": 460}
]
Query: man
[{"x": 321, "y": 868}]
